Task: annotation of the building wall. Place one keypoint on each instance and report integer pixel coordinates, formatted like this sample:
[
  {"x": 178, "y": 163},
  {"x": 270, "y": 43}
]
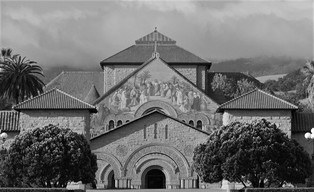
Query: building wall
[
  {"x": 114, "y": 74},
  {"x": 155, "y": 137},
  {"x": 282, "y": 118},
  {"x": 77, "y": 120}
]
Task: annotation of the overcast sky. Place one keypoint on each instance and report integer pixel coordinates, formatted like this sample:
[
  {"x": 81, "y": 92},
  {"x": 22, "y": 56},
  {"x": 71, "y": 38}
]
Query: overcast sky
[{"x": 82, "y": 33}]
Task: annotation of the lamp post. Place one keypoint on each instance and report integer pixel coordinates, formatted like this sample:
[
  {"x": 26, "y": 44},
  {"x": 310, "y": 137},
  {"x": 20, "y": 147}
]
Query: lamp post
[
  {"x": 3, "y": 137},
  {"x": 310, "y": 136}
]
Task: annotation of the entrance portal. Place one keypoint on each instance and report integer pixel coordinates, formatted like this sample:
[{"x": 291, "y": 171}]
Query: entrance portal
[
  {"x": 155, "y": 179},
  {"x": 111, "y": 180}
]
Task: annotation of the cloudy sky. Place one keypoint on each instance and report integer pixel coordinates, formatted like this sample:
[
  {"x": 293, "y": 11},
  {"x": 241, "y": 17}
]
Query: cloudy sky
[{"x": 82, "y": 33}]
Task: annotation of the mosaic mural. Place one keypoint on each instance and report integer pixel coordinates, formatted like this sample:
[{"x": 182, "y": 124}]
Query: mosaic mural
[{"x": 157, "y": 81}]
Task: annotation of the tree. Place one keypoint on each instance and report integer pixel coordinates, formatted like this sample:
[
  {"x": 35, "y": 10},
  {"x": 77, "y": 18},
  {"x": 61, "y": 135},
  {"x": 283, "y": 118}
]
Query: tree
[
  {"x": 225, "y": 85},
  {"x": 49, "y": 157},
  {"x": 308, "y": 71},
  {"x": 19, "y": 78},
  {"x": 257, "y": 152},
  {"x": 244, "y": 86}
]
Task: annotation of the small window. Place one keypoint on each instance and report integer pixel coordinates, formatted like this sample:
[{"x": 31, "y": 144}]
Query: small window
[
  {"x": 183, "y": 121},
  {"x": 191, "y": 122},
  {"x": 199, "y": 124},
  {"x": 127, "y": 121},
  {"x": 119, "y": 123},
  {"x": 111, "y": 124}
]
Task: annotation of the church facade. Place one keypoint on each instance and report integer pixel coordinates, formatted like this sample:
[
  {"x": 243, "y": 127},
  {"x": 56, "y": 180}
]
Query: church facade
[{"x": 145, "y": 113}]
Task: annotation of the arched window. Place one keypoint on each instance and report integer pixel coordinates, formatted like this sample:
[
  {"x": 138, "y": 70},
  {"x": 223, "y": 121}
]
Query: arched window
[
  {"x": 191, "y": 122},
  {"x": 199, "y": 124},
  {"x": 119, "y": 123},
  {"x": 183, "y": 120},
  {"x": 111, "y": 124}
]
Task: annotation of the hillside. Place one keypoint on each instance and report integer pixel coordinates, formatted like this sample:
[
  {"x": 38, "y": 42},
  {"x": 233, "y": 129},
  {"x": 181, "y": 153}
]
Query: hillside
[
  {"x": 259, "y": 66},
  {"x": 265, "y": 78}
]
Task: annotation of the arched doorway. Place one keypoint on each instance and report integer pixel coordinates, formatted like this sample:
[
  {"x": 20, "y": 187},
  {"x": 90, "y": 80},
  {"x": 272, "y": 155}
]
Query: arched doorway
[
  {"x": 111, "y": 184},
  {"x": 155, "y": 179}
]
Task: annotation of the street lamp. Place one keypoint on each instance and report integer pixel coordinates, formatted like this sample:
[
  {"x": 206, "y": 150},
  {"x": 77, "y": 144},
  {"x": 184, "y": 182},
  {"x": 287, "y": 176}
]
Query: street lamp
[
  {"x": 3, "y": 137},
  {"x": 310, "y": 136}
]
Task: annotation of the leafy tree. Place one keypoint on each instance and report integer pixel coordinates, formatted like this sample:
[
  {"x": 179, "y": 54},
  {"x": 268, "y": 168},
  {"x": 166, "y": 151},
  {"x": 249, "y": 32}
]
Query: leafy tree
[
  {"x": 257, "y": 152},
  {"x": 225, "y": 85},
  {"x": 244, "y": 86},
  {"x": 49, "y": 157},
  {"x": 19, "y": 78}
]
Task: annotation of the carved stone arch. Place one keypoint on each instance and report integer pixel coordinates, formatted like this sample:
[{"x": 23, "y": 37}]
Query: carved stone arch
[
  {"x": 110, "y": 117},
  {"x": 112, "y": 161},
  {"x": 184, "y": 116},
  {"x": 160, "y": 157},
  {"x": 125, "y": 117},
  {"x": 171, "y": 177},
  {"x": 169, "y": 110},
  {"x": 104, "y": 173},
  {"x": 204, "y": 118},
  {"x": 158, "y": 148}
]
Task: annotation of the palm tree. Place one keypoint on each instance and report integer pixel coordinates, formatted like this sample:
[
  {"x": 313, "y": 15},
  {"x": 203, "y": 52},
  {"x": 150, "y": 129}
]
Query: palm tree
[
  {"x": 5, "y": 53},
  {"x": 19, "y": 78}
]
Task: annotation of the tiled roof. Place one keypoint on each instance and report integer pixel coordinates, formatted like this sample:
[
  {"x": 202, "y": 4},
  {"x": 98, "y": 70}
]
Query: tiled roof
[
  {"x": 77, "y": 83},
  {"x": 257, "y": 99},
  {"x": 144, "y": 48},
  {"x": 92, "y": 95},
  {"x": 9, "y": 121},
  {"x": 302, "y": 122},
  {"x": 155, "y": 36},
  {"x": 54, "y": 99}
]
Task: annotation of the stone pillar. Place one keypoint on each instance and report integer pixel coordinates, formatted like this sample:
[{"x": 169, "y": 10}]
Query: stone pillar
[{"x": 181, "y": 183}]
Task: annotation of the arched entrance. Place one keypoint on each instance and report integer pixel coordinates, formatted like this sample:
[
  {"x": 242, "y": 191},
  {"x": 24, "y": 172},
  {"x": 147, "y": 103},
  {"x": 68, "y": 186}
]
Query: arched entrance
[
  {"x": 155, "y": 179},
  {"x": 111, "y": 180}
]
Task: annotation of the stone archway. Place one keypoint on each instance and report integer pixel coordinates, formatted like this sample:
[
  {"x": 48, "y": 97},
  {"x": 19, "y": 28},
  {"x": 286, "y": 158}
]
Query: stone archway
[
  {"x": 109, "y": 168},
  {"x": 154, "y": 178},
  {"x": 167, "y": 108}
]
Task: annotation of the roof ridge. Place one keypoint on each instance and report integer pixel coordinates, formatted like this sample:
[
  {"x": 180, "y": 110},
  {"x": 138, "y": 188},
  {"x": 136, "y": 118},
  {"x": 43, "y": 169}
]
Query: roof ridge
[
  {"x": 83, "y": 71},
  {"x": 75, "y": 98},
  {"x": 278, "y": 98},
  {"x": 54, "y": 79},
  {"x": 23, "y": 102},
  {"x": 194, "y": 54},
  {"x": 102, "y": 62},
  {"x": 146, "y": 115},
  {"x": 234, "y": 99}
]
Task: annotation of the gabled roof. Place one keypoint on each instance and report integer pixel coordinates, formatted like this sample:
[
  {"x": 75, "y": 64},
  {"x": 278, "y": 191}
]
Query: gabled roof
[
  {"x": 145, "y": 46},
  {"x": 54, "y": 99},
  {"x": 92, "y": 95},
  {"x": 117, "y": 86},
  {"x": 147, "y": 115},
  {"x": 302, "y": 122},
  {"x": 155, "y": 36},
  {"x": 257, "y": 99},
  {"x": 9, "y": 121},
  {"x": 77, "y": 83}
]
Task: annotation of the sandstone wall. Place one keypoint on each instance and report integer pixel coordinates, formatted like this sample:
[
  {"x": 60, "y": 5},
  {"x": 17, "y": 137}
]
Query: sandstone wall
[
  {"x": 76, "y": 120},
  {"x": 148, "y": 140},
  {"x": 282, "y": 118}
]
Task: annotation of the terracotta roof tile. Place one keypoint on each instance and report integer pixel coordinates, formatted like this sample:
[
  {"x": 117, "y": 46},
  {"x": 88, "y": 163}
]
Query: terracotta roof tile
[
  {"x": 257, "y": 99},
  {"x": 92, "y": 95},
  {"x": 77, "y": 83},
  {"x": 144, "y": 48},
  {"x": 9, "y": 121},
  {"x": 54, "y": 99},
  {"x": 302, "y": 122}
]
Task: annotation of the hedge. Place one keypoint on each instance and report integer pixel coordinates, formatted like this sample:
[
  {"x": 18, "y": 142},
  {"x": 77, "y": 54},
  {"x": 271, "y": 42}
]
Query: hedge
[
  {"x": 39, "y": 190},
  {"x": 279, "y": 189}
]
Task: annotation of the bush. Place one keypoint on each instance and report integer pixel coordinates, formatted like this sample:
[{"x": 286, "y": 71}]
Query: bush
[
  {"x": 48, "y": 157},
  {"x": 38, "y": 190},
  {"x": 279, "y": 190}
]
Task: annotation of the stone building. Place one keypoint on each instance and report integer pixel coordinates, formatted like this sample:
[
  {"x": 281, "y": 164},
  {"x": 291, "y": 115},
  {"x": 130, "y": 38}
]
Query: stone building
[{"x": 154, "y": 105}]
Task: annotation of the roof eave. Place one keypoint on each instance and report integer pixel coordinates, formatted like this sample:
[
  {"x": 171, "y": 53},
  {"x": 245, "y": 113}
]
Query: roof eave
[{"x": 92, "y": 110}]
